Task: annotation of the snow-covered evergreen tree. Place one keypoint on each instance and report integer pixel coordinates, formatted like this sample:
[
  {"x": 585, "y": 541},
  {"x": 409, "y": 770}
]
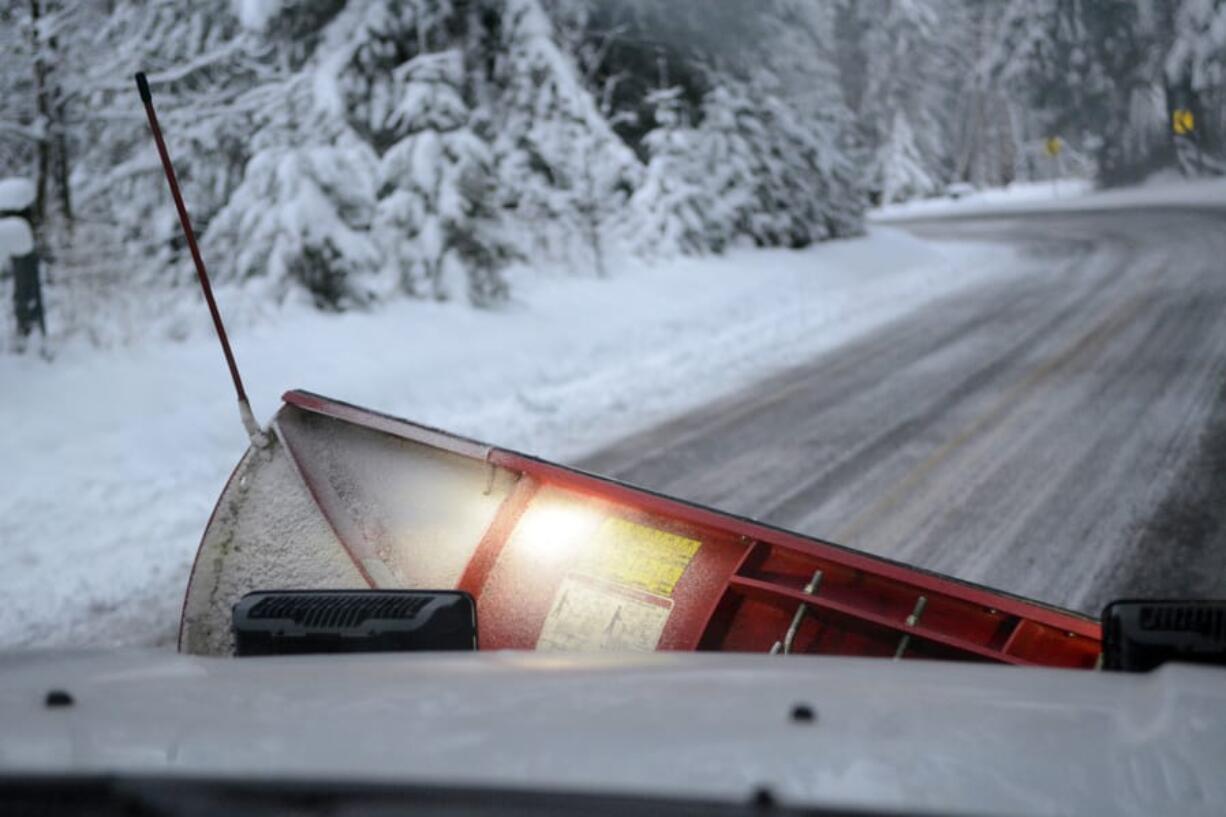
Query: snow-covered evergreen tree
[
  {"x": 1195, "y": 71},
  {"x": 768, "y": 160},
  {"x": 989, "y": 127},
  {"x": 389, "y": 101},
  {"x": 299, "y": 223},
  {"x": 774, "y": 178},
  {"x": 18, "y": 131},
  {"x": 630, "y": 49},
  {"x": 1199, "y": 46},
  {"x": 435, "y": 217},
  {"x": 729, "y": 156},
  {"x": 808, "y": 119},
  {"x": 671, "y": 210},
  {"x": 904, "y": 94},
  {"x": 408, "y": 92},
  {"x": 203, "y": 67},
  {"x": 429, "y": 140},
  {"x": 900, "y": 169},
  {"x": 565, "y": 174},
  {"x": 107, "y": 230},
  {"x": 1083, "y": 66}
]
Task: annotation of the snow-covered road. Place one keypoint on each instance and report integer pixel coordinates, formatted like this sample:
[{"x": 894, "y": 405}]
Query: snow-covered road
[
  {"x": 112, "y": 460},
  {"x": 1036, "y": 433}
]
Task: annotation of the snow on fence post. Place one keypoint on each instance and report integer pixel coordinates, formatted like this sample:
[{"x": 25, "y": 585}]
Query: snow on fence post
[{"x": 19, "y": 258}]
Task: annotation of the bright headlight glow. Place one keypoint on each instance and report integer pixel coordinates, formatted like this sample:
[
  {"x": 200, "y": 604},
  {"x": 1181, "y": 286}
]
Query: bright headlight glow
[{"x": 552, "y": 531}]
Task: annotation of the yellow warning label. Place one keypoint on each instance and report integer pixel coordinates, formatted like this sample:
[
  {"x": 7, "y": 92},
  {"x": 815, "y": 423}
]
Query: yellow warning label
[{"x": 636, "y": 555}]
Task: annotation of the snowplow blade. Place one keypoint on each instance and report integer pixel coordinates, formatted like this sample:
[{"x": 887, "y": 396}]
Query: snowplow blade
[{"x": 558, "y": 559}]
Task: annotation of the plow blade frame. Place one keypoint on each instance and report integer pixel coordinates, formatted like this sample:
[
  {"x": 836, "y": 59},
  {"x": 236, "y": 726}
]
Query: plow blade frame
[{"x": 344, "y": 497}]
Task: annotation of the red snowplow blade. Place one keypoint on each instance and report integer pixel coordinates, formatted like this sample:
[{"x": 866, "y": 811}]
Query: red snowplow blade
[{"x": 560, "y": 559}]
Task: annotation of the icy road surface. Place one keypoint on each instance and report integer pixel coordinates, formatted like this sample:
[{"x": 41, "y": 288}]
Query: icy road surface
[{"x": 1061, "y": 434}]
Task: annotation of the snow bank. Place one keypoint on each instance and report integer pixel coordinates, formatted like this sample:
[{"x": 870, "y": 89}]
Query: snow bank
[
  {"x": 113, "y": 461},
  {"x": 16, "y": 194},
  {"x": 1066, "y": 194},
  {"x": 1165, "y": 189},
  {"x": 15, "y": 238},
  {"x": 1019, "y": 193}
]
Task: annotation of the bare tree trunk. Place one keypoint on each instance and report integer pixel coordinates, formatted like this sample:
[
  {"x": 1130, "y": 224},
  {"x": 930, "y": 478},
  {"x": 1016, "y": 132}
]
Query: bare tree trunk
[
  {"x": 61, "y": 148},
  {"x": 61, "y": 167},
  {"x": 44, "y": 113},
  {"x": 972, "y": 140},
  {"x": 53, "y": 140}
]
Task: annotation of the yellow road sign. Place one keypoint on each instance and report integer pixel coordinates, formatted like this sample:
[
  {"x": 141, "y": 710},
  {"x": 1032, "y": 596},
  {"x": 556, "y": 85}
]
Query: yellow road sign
[
  {"x": 1054, "y": 145},
  {"x": 1182, "y": 121}
]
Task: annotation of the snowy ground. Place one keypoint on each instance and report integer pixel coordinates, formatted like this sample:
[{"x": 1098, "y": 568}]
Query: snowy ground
[
  {"x": 120, "y": 455},
  {"x": 1015, "y": 195},
  {"x": 1064, "y": 194}
]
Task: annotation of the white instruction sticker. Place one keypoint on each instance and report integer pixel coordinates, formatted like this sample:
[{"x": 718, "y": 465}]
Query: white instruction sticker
[{"x": 589, "y": 615}]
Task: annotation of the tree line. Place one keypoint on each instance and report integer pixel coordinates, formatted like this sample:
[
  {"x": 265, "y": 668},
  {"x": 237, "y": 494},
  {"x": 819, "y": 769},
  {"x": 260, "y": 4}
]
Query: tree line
[{"x": 344, "y": 152}]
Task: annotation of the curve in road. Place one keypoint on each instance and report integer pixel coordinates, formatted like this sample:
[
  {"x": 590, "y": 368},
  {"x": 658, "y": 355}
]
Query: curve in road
[{"x": 1060, "y": 435}]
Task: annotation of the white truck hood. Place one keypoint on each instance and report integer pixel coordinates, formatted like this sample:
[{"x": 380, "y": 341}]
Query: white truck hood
[{"x": 911, "y": 735}]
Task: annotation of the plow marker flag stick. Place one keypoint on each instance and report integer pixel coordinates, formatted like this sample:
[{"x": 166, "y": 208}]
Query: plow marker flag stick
[{"x": 244, "y": 406}]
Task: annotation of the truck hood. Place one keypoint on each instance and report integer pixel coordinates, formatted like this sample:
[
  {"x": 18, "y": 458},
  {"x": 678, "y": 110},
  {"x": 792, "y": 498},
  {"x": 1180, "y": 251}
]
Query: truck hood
[{"x": 813, "y": 731}]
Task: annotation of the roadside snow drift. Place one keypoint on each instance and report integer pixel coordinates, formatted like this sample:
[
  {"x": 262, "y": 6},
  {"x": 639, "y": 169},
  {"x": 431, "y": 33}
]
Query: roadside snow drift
[{"x": 1164, "y": 188}]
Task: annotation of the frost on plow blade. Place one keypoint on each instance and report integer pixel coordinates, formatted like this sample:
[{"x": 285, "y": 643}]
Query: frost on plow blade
[{"x": 559, "y": 559}]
